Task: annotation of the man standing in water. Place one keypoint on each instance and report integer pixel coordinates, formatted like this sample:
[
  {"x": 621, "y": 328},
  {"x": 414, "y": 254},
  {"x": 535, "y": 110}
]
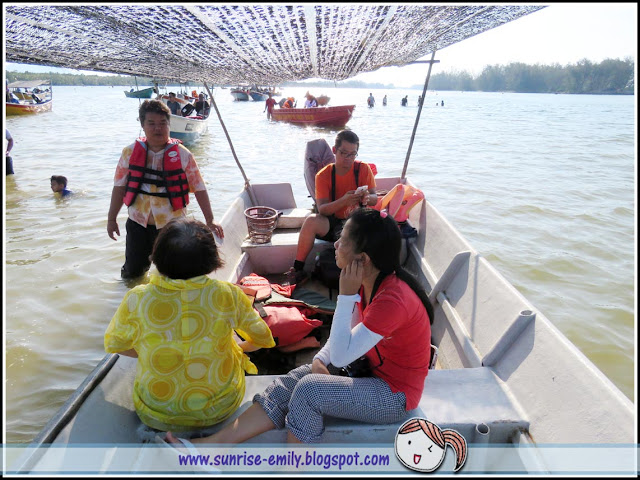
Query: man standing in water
[
  {"x": 269, "y": 104},
  {"x": 154, "y": 178}
]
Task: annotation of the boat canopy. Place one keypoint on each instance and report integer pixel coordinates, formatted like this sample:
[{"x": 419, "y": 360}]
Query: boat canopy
[
  {"x": 226, "y": 44},
  {"x": 28, "y": 83}
]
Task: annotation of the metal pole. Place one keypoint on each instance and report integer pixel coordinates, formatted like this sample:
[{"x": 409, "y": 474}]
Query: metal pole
[
  {"x": 246, "y": 180},
  {"x": 415, "y": 126}
]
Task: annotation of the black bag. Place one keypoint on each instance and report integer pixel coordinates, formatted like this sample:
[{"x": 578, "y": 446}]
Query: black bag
[
  {"x": 326, "y": 270},
  {"x": 187, "y": 110},
  {"x": 357, "y": 368}
]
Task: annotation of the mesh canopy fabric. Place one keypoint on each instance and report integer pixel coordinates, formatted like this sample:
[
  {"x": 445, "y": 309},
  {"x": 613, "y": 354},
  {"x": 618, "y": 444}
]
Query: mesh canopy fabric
[{"x": 256, "y": 44}]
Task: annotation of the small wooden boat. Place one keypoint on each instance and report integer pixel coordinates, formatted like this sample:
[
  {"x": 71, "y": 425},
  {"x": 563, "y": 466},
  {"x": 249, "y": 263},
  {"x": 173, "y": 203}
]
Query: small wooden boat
[
  {"x": 337, "y": 116},
  {"x": 240, "y": 94},
  {"x": 27, "y": 97},
  {"x": 144, "y": 93}
]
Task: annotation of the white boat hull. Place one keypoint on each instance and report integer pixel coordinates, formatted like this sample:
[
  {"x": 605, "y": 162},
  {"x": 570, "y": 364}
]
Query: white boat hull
[
  {"x": 505, "y": 374},
  {"x": 188, "y": 129}
]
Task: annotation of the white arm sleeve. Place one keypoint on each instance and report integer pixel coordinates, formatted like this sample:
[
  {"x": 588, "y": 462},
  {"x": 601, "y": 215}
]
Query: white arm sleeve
[
  {"x": 324, "y": 355},
  {"x": 349, "y": 344}
]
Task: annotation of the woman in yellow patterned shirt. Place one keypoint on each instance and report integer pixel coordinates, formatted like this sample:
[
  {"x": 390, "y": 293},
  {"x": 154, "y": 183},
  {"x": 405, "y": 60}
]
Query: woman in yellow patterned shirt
[{"x": 190, "y": 371}]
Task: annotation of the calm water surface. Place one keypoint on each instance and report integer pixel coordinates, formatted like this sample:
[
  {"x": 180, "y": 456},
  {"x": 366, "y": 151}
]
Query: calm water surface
[{"x": 541, "y": 185}]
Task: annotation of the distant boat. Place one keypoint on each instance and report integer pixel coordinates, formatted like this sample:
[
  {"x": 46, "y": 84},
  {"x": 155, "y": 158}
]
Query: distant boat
[
  {"x": 258, "y": 96},
  {"x": 319, "y": 116},
  {"x": 145, "y": 93},
  {"x": 240, "y": 94},
  {"x": 36, "y": 97}
]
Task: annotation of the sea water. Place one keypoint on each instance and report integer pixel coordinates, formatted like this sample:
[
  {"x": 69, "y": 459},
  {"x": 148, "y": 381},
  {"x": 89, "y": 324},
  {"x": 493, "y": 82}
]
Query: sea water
[{"x": 541, "y": 185}]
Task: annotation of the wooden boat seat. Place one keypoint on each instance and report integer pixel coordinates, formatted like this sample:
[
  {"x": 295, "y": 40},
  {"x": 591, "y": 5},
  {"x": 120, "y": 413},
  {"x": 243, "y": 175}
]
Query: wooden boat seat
[{"x": 459, "y": 399}]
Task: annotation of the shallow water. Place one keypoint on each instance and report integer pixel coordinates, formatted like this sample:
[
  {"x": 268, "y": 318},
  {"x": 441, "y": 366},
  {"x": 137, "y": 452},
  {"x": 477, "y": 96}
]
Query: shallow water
[{"x": 542, "y": 185}]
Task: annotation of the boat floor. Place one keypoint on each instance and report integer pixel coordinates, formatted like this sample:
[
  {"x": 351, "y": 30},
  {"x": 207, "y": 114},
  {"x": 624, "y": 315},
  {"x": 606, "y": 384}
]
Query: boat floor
[{"x": 274, "y": 362}]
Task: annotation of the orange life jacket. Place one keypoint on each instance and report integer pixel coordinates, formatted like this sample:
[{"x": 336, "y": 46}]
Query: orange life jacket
[
  {"x": 399, "y": 201},
  {"x": 172, "y": 176}
]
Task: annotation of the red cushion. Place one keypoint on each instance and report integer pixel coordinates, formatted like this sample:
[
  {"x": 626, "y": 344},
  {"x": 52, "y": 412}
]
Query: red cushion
[{"x": 288, "y": 325}]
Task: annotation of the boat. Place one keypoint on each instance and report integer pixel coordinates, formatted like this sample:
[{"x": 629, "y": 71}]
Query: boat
[
  {"x": 29, "y": 96},
  {"x": 188, "y": 129},
  {"x": 240, "y": 94},
  {"x": 337, "y": 116},
  {"x": 522, "y": 395},
  {"x": 258, "y": 96},
  {"x": 144, "y": 93}
]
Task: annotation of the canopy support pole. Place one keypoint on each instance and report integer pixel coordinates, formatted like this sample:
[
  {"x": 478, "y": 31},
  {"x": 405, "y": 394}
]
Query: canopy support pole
[
  {"x": 247, "y": 185},
  {"x": 415, "y": 126}
]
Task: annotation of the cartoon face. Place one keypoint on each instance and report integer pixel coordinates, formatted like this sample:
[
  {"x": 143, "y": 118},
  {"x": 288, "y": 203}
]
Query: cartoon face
[{"x": 418, "y": 452}]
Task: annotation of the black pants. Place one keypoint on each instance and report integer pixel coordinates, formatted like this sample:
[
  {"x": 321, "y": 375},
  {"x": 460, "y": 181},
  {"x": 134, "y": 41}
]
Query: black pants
[
  {"x": 335, "y": 229},
  {"x": 139, "y": 246},
  {"x": 9, "y": 163}
]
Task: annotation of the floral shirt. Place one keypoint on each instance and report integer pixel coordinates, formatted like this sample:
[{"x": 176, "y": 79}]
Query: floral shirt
[
  {"x": 190, "y": 370},
  {"x": 148, "y": 209}
]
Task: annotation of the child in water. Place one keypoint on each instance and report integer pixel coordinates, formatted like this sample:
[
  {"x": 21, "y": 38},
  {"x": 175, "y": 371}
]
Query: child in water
[
  {"x": 59, "y": 185},
  {"x": 180, "y": 326}
]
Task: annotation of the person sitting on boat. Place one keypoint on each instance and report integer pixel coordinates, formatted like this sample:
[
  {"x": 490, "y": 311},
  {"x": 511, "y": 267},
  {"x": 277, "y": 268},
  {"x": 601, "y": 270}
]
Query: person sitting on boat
[
  {"x": 289, "y": 102},
  {"x": 153, "y": 198},
  {"x": 202, "y": 106},
  {"x": 336, "y": 197},
  {"x": 269, "y": 105},
  {"x": 59, "y": 185},
  {"x": 311, "y": 101},
  {"x": 173, "y": 104},
  {"x": 180, "y": 326},
  {"x": 383, "y": 313}
]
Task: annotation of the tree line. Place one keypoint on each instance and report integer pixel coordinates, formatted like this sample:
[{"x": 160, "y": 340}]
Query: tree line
[
  {"x": 72, "y": 79},
  {"x": 611, "y": 76}
]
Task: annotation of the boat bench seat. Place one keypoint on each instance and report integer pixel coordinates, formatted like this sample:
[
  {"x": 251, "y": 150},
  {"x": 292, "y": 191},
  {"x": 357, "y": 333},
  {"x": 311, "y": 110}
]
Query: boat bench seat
[
  {"x": 458, "y": 399},
  {"x": 277, "y": 255}
]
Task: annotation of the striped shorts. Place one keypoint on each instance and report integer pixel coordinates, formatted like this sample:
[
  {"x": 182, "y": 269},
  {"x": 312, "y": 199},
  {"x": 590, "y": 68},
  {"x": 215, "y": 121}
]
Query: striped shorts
[{"x": 300, "y": 399}]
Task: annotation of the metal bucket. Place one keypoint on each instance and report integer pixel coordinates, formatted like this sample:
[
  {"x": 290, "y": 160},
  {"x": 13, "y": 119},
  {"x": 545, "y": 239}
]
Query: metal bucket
[{"x": 261, "y": 222}]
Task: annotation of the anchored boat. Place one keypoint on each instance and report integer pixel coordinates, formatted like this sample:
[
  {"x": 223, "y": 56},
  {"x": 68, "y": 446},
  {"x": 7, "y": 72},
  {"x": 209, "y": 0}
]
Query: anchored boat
[
  {"x": 337, "y": 116},
  {"x": 144, "y": 93},
  {"x": 505, "y": 375},
  {"x": 240, "y": 94},
  {"x": 27, "y": 97}
]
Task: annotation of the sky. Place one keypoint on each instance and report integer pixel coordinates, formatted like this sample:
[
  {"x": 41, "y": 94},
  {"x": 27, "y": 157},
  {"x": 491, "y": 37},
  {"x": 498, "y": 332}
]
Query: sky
[{"x": 562, "y": 33}]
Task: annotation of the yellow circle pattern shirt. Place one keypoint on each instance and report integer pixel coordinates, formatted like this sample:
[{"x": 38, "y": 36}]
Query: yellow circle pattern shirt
[{"x": 190, "y": 370}]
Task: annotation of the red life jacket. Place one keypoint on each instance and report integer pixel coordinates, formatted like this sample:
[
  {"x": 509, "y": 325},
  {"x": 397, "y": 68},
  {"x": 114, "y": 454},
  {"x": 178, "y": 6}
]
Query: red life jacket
[{"x": 172, "y": 176}]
